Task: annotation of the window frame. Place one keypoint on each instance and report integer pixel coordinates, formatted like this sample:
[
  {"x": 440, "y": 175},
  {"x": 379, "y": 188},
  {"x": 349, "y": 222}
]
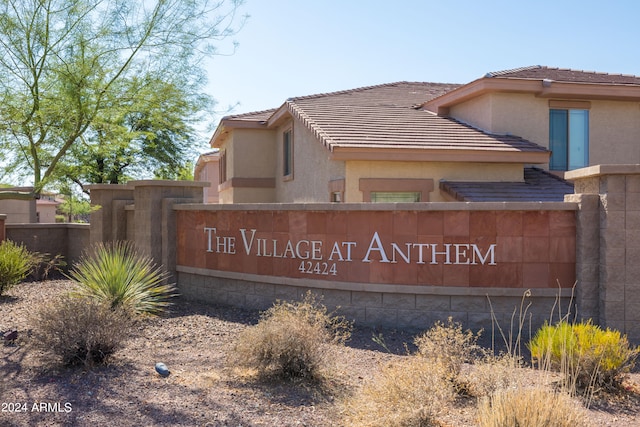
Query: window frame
[
  {"x": 562, "y": 140},
  {"x": 424, "y": 186},
  {"x": 222, "y": 167},
  {"x": 287, "y": 154}
]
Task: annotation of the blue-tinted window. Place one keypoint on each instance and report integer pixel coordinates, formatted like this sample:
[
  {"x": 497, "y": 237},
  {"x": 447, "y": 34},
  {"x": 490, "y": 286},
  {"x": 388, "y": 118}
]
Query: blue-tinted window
[{"x": 568, "y": 139}]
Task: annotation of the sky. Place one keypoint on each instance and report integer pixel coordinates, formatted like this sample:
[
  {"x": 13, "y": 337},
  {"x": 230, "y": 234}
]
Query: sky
[{"x": 290, "y": 48}]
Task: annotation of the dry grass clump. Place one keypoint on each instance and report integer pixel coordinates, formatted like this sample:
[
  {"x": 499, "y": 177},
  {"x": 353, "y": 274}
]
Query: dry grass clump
[
  {"x": 292, "y": 340},
  {"x": 406, "y": 394},
  {"x": 532, "y": 407},
  {"x": 81, "y": 331},
  {"x": 491, "y": 374},
  {"x": 448, "y": 346}
]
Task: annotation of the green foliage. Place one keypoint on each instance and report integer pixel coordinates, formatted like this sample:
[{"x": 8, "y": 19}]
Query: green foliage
[
  {"x": 118, "y": 275},
  {"x": 15, "y": 264},
  {"x": 75, "y": 208},
  {"x": 585, "y": 354},
  {"x": 530, "y": 407},
  {"x": 91, "y": 88},
  {"x": 81, "y": 331},
  {"x": 292, "y": 340}
]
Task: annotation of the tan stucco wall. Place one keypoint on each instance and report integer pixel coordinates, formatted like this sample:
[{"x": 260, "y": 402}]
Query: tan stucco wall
[
  {"x": 209, "y": 172},
  {"x": 46, "y": 213},
  {"x": 254, "y": 154},
  {"x": 248, "y": 195},
  {"x": 250, "y": 153},
  {"x": 312, "y": 168},
  {"x": 19, "y": 211},
  {"x": 614, "y": 126},
  {"x": 436, "y": 171},
  {"x": 614, "y": 133}
]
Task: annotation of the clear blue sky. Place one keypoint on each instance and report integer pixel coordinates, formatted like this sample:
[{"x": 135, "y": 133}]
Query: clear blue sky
[{"x": 293, "y": 48}]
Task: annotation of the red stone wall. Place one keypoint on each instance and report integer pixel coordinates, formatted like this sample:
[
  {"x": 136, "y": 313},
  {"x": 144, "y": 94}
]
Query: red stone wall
[{"x": 483, "y": 248}]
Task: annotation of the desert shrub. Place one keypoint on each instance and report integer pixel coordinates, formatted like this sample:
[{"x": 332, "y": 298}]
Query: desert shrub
[
  {"x": 292, "y": 340},
  {"x": 489, "y": 375},
  {"x": 118, "y": 275},
  {"x": 449, "y": 346},
  {"x": 410, "y": 392},
  {"x": 15, "y": 264},
  {"x": 533, "y": 407},
  {"x": 44, "y": 265},
  {"x": 81, "y": 331},
  {"x": 586, "y": 355}
]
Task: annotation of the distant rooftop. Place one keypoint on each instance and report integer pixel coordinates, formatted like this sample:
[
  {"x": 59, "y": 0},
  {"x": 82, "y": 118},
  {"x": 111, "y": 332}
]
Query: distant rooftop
[
  {"x": 538, "y": 72},
  {"x": 538, "y": 186}
]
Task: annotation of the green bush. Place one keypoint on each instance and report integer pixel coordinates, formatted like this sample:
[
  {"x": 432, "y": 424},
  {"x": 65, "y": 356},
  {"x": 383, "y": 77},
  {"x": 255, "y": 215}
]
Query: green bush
[
  {"x": 15, "y": 264},
  {"x": 585, "y": 354},
  {"x": 81, "y": 331},
  {"x": 292, "y": 340},
  {"x": 118, "y": 275}
]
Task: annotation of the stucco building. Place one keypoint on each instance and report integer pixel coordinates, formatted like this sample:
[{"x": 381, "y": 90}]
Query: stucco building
[
  {"x": 207, "y": 169},
  {"x": 509, "y": 135}
]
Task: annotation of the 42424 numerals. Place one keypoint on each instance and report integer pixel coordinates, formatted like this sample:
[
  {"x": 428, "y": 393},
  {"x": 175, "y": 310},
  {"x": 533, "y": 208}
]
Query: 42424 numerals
[{"x": 321, "y": 268}]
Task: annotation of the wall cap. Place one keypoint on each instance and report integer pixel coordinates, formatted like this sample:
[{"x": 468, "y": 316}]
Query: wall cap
[
  {"x": 167, "y": 183},
  {"x": 601, "y": 170},
  {"x": 47, "y": 225},
  {"x": 108, "y": 187},
  {"x": 428, "y": 206}
]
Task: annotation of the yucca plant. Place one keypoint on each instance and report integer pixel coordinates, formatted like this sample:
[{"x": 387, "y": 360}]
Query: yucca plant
[
  {"x": 15, "y": 264},
  {"x": 118, "y": 275}
]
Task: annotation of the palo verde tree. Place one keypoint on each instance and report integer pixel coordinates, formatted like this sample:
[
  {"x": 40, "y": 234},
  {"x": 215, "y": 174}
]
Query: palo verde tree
[
  {"x": 149, "y": 134},
  {"x": 77, "y": 76}
]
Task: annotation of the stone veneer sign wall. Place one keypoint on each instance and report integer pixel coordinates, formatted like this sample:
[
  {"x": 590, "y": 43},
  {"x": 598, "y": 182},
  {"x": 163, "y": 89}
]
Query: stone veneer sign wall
[
  {"x": 399, "y": 265},
  {"x": 513, "y": 249}
]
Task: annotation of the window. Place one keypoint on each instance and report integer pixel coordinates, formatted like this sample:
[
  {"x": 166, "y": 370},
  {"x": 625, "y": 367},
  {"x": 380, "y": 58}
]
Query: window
[
  {"x": 287, "y": 154},
  {"x": 396, "y": 190},
  {"x": 568, "y": 139},
  {"x": 395, "y": 196},
  {"x": 222, "y": 166}
]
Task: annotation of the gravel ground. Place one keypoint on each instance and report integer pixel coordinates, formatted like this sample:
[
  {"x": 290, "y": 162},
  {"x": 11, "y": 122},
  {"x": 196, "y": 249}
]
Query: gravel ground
[{"x": 203, "y": 389}]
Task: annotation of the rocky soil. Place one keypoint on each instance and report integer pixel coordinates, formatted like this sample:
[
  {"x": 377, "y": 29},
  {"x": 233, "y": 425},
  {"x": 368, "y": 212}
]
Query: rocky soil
[{"x": 203, "y": 389}]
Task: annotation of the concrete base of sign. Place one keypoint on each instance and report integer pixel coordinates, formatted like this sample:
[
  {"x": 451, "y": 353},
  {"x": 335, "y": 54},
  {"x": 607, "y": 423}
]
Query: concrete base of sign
[{"x": 389, "y": 306}]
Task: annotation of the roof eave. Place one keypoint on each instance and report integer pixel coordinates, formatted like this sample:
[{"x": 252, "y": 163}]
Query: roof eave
[
  {"x": 439, "y": 155},
  {"x": 540, "y": 88},
  {"x": 222, "y": 131}
]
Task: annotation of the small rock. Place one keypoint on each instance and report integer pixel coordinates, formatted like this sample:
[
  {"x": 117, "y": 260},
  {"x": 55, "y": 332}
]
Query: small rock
[
  {"x": 10, "y": 336},
  {"x": 162, "y": 369}
]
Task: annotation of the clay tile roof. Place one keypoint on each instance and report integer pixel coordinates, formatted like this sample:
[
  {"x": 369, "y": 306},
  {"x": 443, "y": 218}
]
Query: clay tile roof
[
  {"x": 386, "y": 116},
  {"x": 538, "y": 186},
  {"x": 255, "y": 116},
  {"x": 538, "y": 72}
]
